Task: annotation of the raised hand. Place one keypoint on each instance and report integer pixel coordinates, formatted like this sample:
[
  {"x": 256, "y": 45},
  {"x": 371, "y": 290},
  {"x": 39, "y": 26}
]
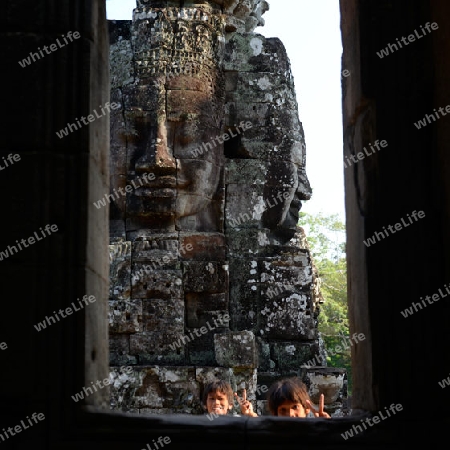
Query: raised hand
[
  {"x": 320, "y": 412},
  {"x": 246, "y": 406}
]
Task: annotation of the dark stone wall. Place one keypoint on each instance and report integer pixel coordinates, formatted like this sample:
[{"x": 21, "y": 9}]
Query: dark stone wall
[
  {"x": 55, "y": 182},
  {"x": 383, "y": 98}
]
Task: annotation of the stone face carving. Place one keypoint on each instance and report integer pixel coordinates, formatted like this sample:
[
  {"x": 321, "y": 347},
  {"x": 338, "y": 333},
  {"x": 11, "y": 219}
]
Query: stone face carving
[
  {"x": 208, "y": 275},
  {"x": 179, "y": 86}
]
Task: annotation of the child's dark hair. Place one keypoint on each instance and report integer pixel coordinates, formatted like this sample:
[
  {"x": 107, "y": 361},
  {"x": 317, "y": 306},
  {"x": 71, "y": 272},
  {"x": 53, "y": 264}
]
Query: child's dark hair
[
  {"x": 287, "y": 389},
  {"x": 221, "y": 386}
]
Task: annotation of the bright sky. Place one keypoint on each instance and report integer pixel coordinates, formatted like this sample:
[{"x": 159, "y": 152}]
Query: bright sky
[{"x": 310, "y": 31}]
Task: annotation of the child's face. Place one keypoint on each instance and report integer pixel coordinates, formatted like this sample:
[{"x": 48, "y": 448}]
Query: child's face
[
  {"x": 291, "y": 409},
  {"x": 217, "y": 402}
]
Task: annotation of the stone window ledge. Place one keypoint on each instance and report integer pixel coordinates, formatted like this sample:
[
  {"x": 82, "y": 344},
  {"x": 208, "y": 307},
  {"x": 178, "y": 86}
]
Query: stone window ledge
[{"x": 116, "y": 429}]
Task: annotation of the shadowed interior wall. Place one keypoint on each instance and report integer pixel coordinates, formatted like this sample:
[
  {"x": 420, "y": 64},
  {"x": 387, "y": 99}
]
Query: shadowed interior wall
[
  {"x": 55, "y": 182},
  {"x": 382, "y": 99}
]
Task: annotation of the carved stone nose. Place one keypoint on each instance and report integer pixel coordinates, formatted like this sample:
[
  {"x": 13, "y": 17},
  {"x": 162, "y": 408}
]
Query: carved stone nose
[
  {"x": 159, "y": 157},
  {"x": 159, "y": 160}
]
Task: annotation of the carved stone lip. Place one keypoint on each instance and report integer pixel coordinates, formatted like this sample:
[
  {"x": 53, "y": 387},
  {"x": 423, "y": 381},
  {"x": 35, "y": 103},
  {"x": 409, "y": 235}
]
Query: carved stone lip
[
  {"x": 155, "y": 192},
  {"x": 183, "y": 181},
  {"x": 293, "y": 212},
  {"x": 161, "y": 182},
  {"x": 183, "y": 184},
  {"x": 296, "y": 203},
  {"x": 292, "y": 216}
]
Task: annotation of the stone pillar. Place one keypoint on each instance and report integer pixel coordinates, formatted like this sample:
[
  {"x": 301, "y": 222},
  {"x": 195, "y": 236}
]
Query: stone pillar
[{"x": 54, "y": 243}]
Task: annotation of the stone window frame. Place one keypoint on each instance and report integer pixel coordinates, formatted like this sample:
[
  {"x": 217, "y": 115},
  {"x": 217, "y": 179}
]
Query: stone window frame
[{"x": 93, "y": 421}]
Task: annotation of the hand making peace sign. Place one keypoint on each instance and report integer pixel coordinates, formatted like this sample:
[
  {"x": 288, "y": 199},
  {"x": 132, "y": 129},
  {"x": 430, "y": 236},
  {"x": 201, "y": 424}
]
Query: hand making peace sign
[
  {"x": 246, "y": 406},
  {"x": 320, "y": 412}
]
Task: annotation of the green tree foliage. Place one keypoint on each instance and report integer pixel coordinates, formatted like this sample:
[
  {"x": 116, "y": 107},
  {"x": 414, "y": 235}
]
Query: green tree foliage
[{"x": 326, "y": 239}]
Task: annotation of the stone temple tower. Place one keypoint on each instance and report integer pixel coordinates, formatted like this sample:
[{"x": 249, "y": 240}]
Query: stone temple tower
[{"x": 209, "y": 278}]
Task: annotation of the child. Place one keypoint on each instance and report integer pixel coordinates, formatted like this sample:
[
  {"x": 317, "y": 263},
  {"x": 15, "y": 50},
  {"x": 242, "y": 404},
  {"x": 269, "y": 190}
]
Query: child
[
  {"x": 289, "y": 398},
  {"x": 217, "y": 398}
]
